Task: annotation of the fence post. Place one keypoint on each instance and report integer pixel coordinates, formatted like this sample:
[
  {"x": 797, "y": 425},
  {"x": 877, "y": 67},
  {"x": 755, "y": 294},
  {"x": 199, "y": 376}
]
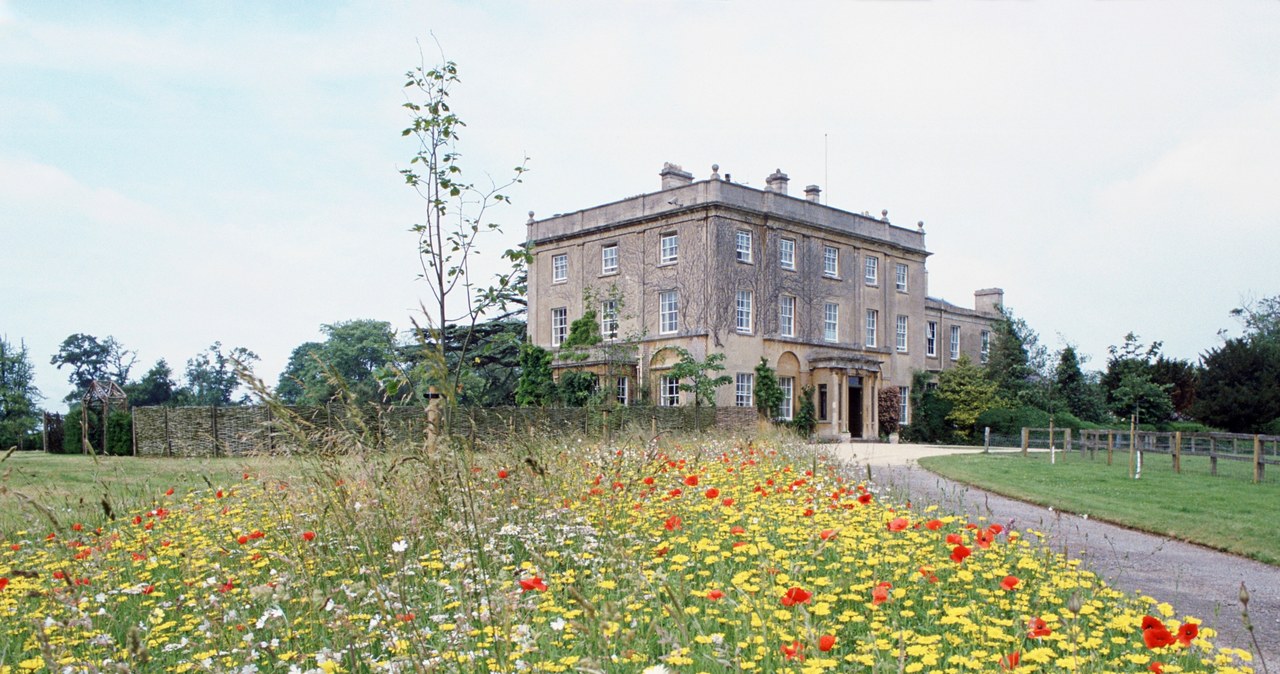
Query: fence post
[
  {"x": 1111, "y": 445},
  {"x": 1066, "y": 441},
  {"x": 1133, "y": 441},
  {"x": 986, "y": 439},
  {"x": 433, "y": 419},
  {"x": 1213, "y": 456},
  {"x": 1053, "y": 458},
  {"x": 653, "y": 426},
  {"x": 1026, "y": 439},
  {"x": 1258, "y": 466},
  {"x": 133, "y": 429},
  {"x": 1177, "y": 452},
  {"x": 213, "y": 427}
]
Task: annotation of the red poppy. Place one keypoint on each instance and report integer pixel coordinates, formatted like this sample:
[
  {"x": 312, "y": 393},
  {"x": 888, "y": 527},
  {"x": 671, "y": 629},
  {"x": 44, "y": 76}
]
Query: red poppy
[
  {"x": 308, "y": 536},
  {"x": 77, "y": 527},
  {"x": 1011, "y": 660},
  {"x": 984, "y": 538},
  {"x": 1155, "y": 634},
  {"x": 149, "y": 589},
  {"x": 648, "y": 480},
  {"x": 535, "y": 583},
  {"x": 959, "y": 552},
  {"x": 4, "y": 582},
  {"x": 405, "y": 617},
  {"x": 796, "y": 596},
  {"x": 933, "y": 525},
  {"x": 1156, "y": 666},
  {"x": 675, "y": 492},
  {"x": 737, "y": 530},
  {"x": 1009, "y": 582},
  {"x": 727, "y": 502},
  {"x": 502, "y": 474},
  {"x": 170, "y": 492},
  {"x": 219, "y": 494},
  {"x": 242, "y": 539},
  {"x": 864, "y": 499},
  {"x": 898, "y": 524},
  {"x": 672, "y": 523},
  {"x": 808, "y": 512},
  {"x": 715, "y": 595},
  {"x": 713, "y": 493},
  {"x": 827, "y": 534},
  {"x": 256, "y": 534},
  {"x": 954, "y": 539},
  {"x": 880, "y": 594},
  {"x": 227, "y": 587},
  {"x": 1187, "y": 632},
  {"x": 793, "y": 651},
  {"x": 826, "y": 642},
  {"x": 1038, "y": 628},
  {"x": 691, "y": 481},
  {"x": 995, "y": 528}
]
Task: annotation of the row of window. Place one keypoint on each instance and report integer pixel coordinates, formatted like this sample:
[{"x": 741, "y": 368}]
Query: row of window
[
  {"x": 669, "y": 253},
  {"x": 669, "y": 323}
]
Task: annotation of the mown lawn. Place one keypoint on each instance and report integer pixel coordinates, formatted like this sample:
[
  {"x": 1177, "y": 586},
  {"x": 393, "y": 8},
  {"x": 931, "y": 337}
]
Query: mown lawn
[
  {"x": 73, "y": 487},
  {"x": 1228, "y": 512}
]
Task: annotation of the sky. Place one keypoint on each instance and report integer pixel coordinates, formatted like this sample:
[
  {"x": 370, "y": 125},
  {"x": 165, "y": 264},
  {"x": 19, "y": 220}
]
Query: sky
[{"x": 181, "y": 173}]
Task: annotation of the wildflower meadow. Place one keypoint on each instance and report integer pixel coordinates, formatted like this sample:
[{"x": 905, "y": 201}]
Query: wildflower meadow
[{"x": 712, "y": 556}]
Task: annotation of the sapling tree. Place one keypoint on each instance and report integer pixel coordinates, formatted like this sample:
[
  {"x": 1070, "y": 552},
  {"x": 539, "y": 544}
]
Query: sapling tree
[
  {"x": 699, "y": 378},
  {"x": 455, "y": 222}
]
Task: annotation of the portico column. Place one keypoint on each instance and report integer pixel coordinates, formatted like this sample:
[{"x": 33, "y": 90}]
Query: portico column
[
  {"x": 833, "y": 402},
  {"x": 874, "y": 402}
]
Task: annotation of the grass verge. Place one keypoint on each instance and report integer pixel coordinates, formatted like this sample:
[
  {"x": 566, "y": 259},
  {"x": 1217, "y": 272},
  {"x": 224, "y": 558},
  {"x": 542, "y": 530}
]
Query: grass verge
[{"x": 1220, "y": 512}]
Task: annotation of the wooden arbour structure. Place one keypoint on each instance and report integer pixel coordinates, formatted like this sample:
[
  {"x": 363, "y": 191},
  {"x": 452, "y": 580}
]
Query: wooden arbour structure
[{"x": 101, "y": 397}]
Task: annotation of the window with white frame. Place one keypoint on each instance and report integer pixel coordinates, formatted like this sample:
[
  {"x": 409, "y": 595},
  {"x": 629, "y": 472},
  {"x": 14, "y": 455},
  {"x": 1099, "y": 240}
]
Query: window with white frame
[
  {"x": 788, "y": 386},
  {"x": 787, "y": 316},
  {"x": 668, "y": 312},
  {"x": 743, "y": 243},
  {"x": 904, "y": 405},
  {"x": 559, "y": 268},
  {"x": 609, "y": 259},
  {"x": 787, "y": 253},
  {"x": 900, "y": 274},
  {"x": 669, "y": 249},
  {"x": 931, "y": 338},
  {"x": 871, "y": 270},
  {"x": 609, "y": 319},
  {"x": 831, "y": 322},
  {"x": 744, "y": 389},
  {"x": 830, "y": 261},
  {"x": 985, "y": 353},
  {"x": 872, "y": 318},
  {"x": 955, "y": 342},
  {"x": 902, "y": 334},
  {"x": 559, "y": 325},
  {"x": 742, "y": 310},
  {"x": 669, "y": 392},
  {"x": 624, "y": 390}
]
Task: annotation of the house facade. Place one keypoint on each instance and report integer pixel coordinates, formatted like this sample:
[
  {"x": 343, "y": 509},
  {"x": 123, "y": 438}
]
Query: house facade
[{"x": 830, "y": 299}]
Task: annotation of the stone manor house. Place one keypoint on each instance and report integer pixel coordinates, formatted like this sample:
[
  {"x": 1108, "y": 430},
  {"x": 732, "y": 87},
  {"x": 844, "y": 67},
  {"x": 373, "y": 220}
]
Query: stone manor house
[{"x": 831, "y": 299}]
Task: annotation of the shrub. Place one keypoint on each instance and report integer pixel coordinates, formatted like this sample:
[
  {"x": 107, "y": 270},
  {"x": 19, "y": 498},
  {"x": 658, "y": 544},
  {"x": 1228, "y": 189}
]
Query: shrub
[
  {"x": 1011, "y": 421},
  {"x": 806, "y": 418}
]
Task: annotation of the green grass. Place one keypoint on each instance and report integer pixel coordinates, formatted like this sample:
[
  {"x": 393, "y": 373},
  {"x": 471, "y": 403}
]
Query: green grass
[
  {"x": 1228, "y": 512},
  {"x": 72, "y": 487}
]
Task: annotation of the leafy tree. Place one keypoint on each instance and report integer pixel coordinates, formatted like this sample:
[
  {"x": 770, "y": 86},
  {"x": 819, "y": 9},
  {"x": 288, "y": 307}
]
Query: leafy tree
[
  {"x": 18, "y": 394},
  {"x": 575, "y": 388},
  {"x": 156, "y": 387},
  {"x": 1130, "y": 380},
  {"x": 699, "y": 377},
  {"x": 1011, "y": 365},
  {"x": 536, "y": 387},
  {"x": 212, "y": 378},
  {"x": 1239, "y": 387},
  {"x": 766, "y": 391},
  {"x": 928, "y": 412},
  {"x": 1081, "y": 397},
  {"x": 349, "y": 360},
  {"x": 1180, "y": 378},
  {"x": 970, "y": 393},
  {"x": 806, "y": 415},
  {"x": 1138, "y": 394},
  {"x": 583, "y": 331},
  {"x": 453, "y": 226},
  {"x": 92, "y": 360}
]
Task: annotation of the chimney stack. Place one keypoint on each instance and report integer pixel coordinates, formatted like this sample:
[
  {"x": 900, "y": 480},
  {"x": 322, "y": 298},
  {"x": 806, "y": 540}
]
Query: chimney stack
[
  {"x": 777, "y": 182},
  {"x": 988, "y": 300},
  {"x": 813, "y": 193},
  {"x": 674, "y": 176}
]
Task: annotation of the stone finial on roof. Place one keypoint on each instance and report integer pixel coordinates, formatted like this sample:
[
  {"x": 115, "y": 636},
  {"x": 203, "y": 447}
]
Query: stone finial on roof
[{"x": 715, "y": 172}]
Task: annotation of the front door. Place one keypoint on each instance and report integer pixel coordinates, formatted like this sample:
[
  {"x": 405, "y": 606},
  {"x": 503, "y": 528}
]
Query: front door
[{"x": 855, "y": 407}]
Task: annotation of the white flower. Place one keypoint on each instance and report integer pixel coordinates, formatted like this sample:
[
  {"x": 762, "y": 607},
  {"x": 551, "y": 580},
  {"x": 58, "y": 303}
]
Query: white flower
[
  {"x": 399, "y": 546},
  {"x": 656, "y": 669},
  {"x": 558, "y": 624}
]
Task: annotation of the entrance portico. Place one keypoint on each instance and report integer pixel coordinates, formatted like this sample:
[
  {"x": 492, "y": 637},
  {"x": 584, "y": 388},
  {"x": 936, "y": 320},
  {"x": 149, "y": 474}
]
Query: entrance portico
[{"x": 848, "y": 387}]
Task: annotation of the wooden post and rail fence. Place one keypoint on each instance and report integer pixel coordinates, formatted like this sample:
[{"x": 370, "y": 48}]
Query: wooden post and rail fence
[{"x": 1260, "y": 450}]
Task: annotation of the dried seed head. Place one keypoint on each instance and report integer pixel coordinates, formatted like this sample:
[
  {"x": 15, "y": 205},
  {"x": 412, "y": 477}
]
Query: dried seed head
[
  {"x": 1244, "y": 595},
  {"x": 1074, "y": 604}
]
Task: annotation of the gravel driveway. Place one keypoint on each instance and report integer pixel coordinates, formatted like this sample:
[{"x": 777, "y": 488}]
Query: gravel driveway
[{"x": 1195, "y": 580}]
